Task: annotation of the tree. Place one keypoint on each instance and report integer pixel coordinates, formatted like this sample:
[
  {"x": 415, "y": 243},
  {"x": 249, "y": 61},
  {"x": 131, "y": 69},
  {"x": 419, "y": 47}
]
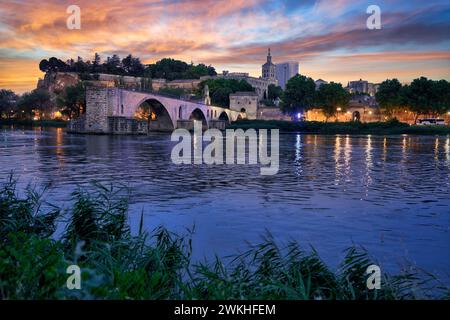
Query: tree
[
  {"x": 418, "y": 97},
  {"x": 53, "y": 65},
  {"x": 73, "y": 100},
  {"x": 96, "y": 63},
  {"x": 388, "y": 96},
  {"x": 80, "y": 66},
  {"x": 7, "y": 102},
  {"x": 440, "y": 97},
  {"x": 274, "y": 92},
  {"x": 220, "y": 89},
  {"x": 221, "y": 97},
  {"x": 172, "y": 69},
  {"x": 34, "y": 102},
  {"x": 330, "y": 97},
  {"x": 299, "y": 94},
  {"x": 132, "y": 66},
  {"x": 113, "y": 65}
]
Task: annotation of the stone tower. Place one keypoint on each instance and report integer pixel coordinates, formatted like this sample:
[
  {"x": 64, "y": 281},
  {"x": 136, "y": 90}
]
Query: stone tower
[
  {"x": 268, "y": 68},
  {"x": 206, "y": 97}
]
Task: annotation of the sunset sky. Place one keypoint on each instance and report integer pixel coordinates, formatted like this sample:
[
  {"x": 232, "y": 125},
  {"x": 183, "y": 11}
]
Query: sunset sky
[{"x": 328, "y": 38}]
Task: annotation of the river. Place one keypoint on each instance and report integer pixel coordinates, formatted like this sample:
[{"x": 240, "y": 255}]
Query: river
[{"x": 390, "y": 194}]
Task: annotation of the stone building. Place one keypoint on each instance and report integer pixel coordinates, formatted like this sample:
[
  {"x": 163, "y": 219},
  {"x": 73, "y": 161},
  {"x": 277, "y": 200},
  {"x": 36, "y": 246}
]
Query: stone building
[
  {"x": 268, "y": 68},
  {"x": 246, "y": 103}
]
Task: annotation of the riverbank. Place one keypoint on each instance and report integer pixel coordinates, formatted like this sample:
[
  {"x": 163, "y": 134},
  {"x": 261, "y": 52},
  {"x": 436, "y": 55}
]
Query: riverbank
[
  {"x": 116, "y": 264},
  {"x": 379, "y": 128},
  {"x": 34, "y": 123}
]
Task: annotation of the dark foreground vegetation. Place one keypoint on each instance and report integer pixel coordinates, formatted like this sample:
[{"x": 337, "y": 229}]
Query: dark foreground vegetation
[
  {"x": 383, "y": 128},
  {"x": 116, "y": 264}
]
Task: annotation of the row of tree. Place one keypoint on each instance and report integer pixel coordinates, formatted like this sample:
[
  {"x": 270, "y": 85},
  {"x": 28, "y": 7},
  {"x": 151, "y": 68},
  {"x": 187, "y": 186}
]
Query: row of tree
[
  {"x": 301, "y": 95},
  {"x": 70, "y": 102},
  {"x": 167, "y": 68},
  {"x": 422, "y": 97}
]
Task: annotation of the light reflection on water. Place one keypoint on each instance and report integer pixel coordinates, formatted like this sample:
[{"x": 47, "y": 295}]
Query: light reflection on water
[{"x": 390, "y": 194}]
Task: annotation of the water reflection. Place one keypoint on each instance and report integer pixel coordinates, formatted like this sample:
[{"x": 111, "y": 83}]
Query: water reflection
[
  {"x": 369, "y": 163},
  {"x": 298, "y": 154},
  {"x": 390, "y": 194}
]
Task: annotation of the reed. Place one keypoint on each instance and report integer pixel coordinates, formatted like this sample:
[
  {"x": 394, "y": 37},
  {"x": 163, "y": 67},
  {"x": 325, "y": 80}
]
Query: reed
[{"x": 116, "y": 264}]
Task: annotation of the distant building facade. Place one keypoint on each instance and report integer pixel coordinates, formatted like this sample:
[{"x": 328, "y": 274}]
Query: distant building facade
[
  {"x": 363, "y": 86},
  {"x": 359, "y": 86},
  {"x": 285, "y": 71}
]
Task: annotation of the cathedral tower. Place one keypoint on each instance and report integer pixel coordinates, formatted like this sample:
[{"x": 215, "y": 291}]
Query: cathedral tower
[{"x": 268, "y": 68}]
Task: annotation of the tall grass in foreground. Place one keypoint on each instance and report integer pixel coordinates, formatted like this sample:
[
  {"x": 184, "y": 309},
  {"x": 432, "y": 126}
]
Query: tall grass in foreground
[{"x": 118, "y": 265}]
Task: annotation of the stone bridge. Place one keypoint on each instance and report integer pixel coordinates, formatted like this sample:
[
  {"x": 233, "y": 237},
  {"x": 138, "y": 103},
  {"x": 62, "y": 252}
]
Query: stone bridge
[{"x": 114, "y": 110}]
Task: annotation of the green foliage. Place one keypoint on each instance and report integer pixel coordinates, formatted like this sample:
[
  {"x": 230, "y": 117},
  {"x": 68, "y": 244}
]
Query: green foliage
[
  {"x": 36, "y": 100},
  {"x": 274, "y": 92},
  {"x": 220, "y": 89},
  {"x": 73, "y": 100},
  {"x": 298, "y": 95},
  {"x": 330, "y": 97},
  {"x": 426, "y": 97},
  {"x": 388, "y": 96},
  {"x": 25, "y": 215},
  {"x": 7, "y": 102},
  {"x": 31, "y": 267},
  {"x": 97, "y": 216},
  {"x": 172, "y": 69},
  {"x": 167, "y": 68},
  {"x": 118, "y": 265}
]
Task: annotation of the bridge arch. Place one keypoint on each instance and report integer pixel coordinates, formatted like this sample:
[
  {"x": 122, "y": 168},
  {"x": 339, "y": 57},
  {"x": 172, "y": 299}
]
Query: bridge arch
[
  {"x": 198, "y": 115},
  {"x": 224, "y": 116},
  {"x": 157, "y": 115}
]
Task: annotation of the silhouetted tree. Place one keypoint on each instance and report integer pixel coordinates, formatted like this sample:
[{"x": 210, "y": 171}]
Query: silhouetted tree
[
  {"x": 425, "y": 97},
  {"x": 388, "y": 96},
  {"x": 274, "y": 92},
  {"x": 298, "y": 95},
  {"x": 36, "y": 101},
  {"x": 73, "y": 100},
  {"x": 8, "y": 100},
  {"x": 330, "y": 97}
]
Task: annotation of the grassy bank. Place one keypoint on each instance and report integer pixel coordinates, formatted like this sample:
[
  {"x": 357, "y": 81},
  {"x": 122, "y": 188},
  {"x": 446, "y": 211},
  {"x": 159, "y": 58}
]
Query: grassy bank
[
  {"x": 382, "y": 128},
  {"x": 34, "y": 123},
  {"x": 116, "y": 264}
]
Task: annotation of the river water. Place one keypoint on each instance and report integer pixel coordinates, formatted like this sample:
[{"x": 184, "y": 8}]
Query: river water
[{"x": 390, "y": 194}]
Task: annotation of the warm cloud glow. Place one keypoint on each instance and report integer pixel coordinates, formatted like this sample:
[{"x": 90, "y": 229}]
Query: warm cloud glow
[{"x": 328, "y": 38}]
